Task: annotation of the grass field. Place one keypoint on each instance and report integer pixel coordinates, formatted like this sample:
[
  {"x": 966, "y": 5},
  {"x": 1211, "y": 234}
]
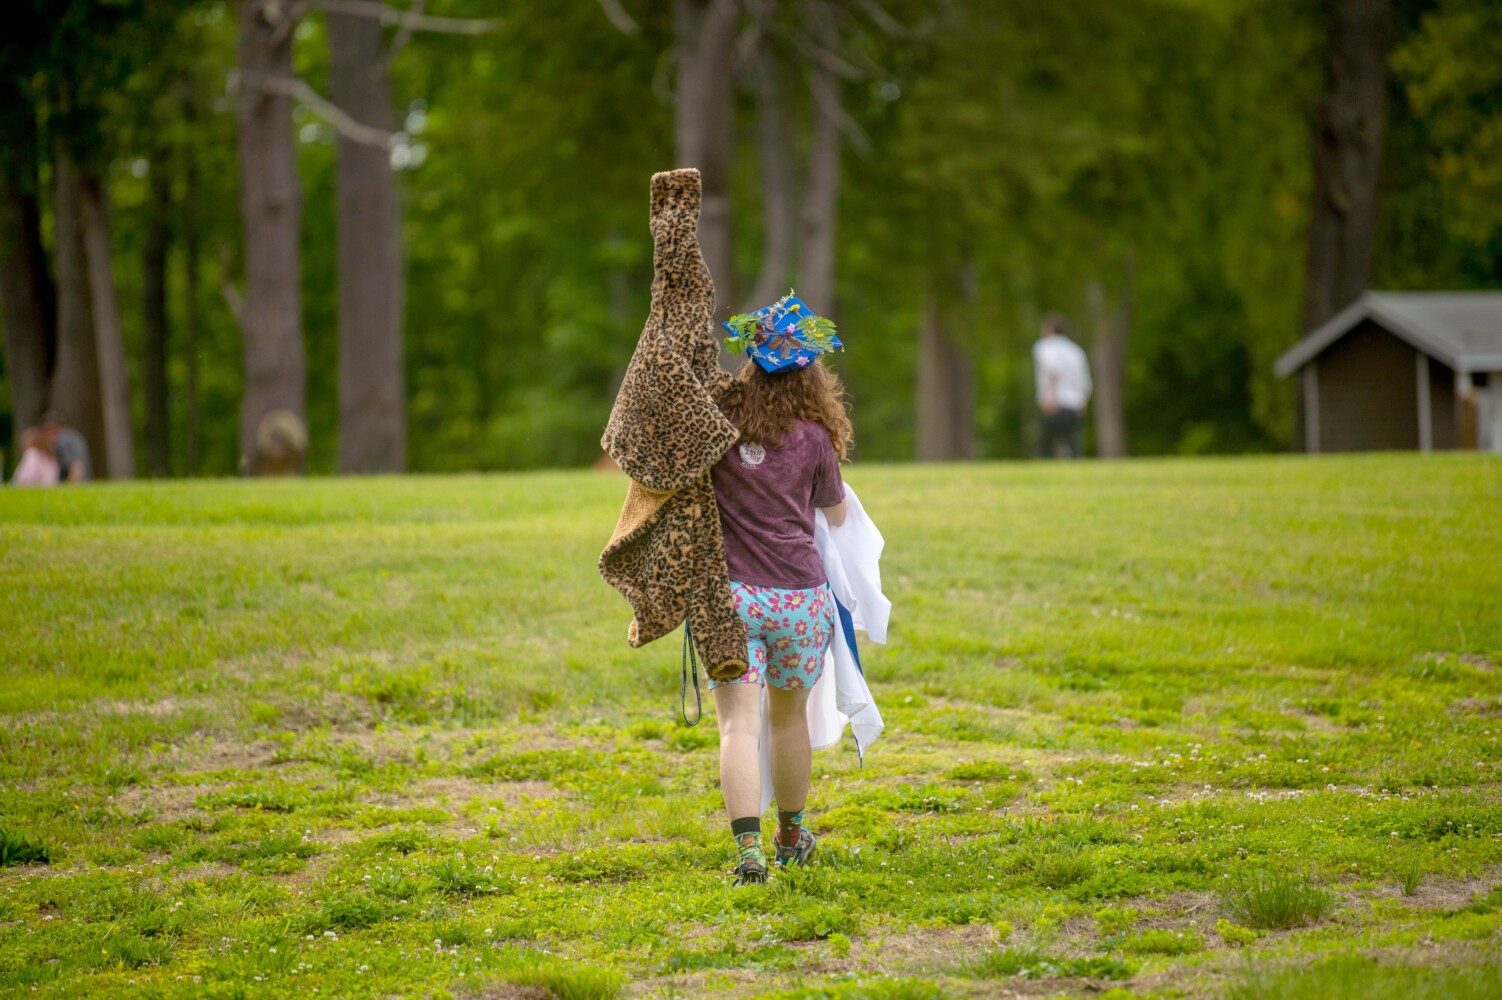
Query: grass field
[{"x": 1200, "y": 728}]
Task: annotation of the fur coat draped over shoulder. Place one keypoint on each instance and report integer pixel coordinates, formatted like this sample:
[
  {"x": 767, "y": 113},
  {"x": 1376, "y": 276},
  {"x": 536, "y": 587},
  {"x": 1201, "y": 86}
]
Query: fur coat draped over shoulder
[{"x": 667, "y": 555}]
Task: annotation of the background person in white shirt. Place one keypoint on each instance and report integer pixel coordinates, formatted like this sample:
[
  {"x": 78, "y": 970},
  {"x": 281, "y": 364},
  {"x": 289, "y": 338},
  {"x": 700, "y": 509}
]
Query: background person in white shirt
[{"x": 1062, "y": 373}]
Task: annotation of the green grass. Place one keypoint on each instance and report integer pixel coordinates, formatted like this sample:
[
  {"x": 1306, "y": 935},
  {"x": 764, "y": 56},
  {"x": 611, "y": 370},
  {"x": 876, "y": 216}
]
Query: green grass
[
  {"x": 1353, "y": 977},
  {"x": 1173, "y": 728},
  {"x": 1278, "y": 901}
]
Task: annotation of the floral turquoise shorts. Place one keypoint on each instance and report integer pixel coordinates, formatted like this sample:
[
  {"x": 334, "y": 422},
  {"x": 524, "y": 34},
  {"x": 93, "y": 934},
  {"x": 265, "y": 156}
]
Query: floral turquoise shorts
[{"x": 787, "y": 632}]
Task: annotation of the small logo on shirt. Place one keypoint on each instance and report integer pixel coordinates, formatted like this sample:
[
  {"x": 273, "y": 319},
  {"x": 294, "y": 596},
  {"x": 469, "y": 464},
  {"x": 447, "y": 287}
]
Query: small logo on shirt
[{"x": 752, "y": 455}]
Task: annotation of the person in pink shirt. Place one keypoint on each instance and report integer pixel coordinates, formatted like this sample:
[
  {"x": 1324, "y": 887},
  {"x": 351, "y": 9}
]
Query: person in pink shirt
[
  {"x": 38, "y": 465},
  {"x": 794, "y": 429}
]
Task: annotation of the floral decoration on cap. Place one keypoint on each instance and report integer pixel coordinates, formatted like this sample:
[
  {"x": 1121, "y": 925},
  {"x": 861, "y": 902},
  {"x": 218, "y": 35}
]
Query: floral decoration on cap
[{"x": 783, "y": 336}]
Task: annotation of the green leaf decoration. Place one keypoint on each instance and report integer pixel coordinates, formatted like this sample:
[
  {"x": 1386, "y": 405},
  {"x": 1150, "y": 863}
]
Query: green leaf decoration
[
  {"x": 744, "y": 327},
  {"x": 816, "y": 331}
]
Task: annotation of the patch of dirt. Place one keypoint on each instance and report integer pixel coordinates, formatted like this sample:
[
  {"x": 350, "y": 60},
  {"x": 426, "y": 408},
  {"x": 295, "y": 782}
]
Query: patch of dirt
[
  {"x": 171, "y": 803},
  {"x": 927, "y": 947},
  {"x": 206, "y": 870},
  {"x": 1314, "y": 722},
  {"x": 310, "y": 872},
  {"x": 155, "y": 709},
  {"x": 454, "y": 791},
  {"x": 1442, "y": 893},
  {"x": 1477, "y": 706},
  {"x": 507, "y": 991},
  {"x": 1180, "y": 910},
  {"x": 746, "y": 982},
  {"x": 227, "y": 755}
]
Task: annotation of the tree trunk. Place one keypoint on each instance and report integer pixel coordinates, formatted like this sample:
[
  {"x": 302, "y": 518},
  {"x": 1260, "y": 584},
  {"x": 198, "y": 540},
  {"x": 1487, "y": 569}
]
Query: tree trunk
[
  {"x": 75, "y": 397},
  {"x": 704, "y": 114},
  {"x": 1347, "y": 150},
  {"x": 776, "y": 183},
  {"x": 192, "y": 262},
  {"x": 109, "y": 344},
  {"x": 154, "y": 314},
  {"x": 946, "y": 392},
  {"x": 372, "y": 396},
  {"x": 271, "y": 206},
  {"x": 821, "y": 201},
  {"x": 27, "y": 298},
  {"x": 1108, "y": 363}
]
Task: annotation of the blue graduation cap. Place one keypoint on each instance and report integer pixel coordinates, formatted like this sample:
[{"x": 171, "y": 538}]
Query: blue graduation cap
[{"x": 783, "y": 336}]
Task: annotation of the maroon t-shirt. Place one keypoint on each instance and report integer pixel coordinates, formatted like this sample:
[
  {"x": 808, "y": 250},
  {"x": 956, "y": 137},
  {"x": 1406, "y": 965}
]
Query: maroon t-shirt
[{"x": 767, "y": 498}]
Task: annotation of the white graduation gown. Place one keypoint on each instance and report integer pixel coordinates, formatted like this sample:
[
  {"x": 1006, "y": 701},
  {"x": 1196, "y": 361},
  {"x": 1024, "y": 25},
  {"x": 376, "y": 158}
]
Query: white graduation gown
[{"x": 851, "y": 555}]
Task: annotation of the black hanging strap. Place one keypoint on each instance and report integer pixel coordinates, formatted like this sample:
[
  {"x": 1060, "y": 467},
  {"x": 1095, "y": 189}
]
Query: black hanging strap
[{"x": 690, "y": 663}]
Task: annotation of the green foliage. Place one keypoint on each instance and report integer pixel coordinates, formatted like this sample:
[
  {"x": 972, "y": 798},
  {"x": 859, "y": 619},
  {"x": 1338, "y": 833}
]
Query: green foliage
[
  {"x": 18, "y": 849},
  {"x": 1277, "y": 901},
  {"x": 1018, "y": 156},
  {"x": 1162, "y": 942},
  {"x": 1232, "y": 934},
  {"x": 816, "y": 921},
  {"x": 348, "y": 911},
  {"x": 1412, "y": 875},
  {"x": 462, "y": 878},
  {"x": 567, "y": 980},
  {"x": 1031, "y": 963},
  {"x": 1114, "y": 922},
  {"x": 1451, "y": 71}
]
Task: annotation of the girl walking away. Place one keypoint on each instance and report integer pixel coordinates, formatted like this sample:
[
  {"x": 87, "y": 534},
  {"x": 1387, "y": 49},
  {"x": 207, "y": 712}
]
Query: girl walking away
[{"x": 794, "y": 428}]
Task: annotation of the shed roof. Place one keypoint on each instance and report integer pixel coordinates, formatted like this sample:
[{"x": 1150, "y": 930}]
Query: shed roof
[{"x": 1462, "y": 329}]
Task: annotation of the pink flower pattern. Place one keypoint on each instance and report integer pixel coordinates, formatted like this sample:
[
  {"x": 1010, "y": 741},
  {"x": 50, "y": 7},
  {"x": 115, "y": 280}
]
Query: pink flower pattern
[{"x": 787, "y": 632}]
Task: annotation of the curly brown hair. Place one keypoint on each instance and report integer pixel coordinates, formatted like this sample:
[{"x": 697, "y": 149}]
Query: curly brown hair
[{"x": 765, "y": 407}]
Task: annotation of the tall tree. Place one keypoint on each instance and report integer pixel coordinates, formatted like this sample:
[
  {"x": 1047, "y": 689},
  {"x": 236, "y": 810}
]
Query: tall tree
[
  {"x": 372, "y": 395},
  {"x": 1108, "y": 356},
  {"x": 27, "y": 297},
  {"x": 192, "y": 315},
  {"x": 775, "y": 167},
  {"x": 109, "y": 342},
  {"x": 271, "y": 206},
  {"x": 85, "y": 53},
  {"x": 705, "y": 125},
  {"x": 1347, "y": 156},
  {"x": 821, "y": 199},
  {"x": 76, "y": 396},
  {"x": 157, "y": 223},
  {"x": 946, "y": 389}
]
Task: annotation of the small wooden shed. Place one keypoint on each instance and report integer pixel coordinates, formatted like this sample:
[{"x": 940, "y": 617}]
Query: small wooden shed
[{"x": 1403, "y": 370}]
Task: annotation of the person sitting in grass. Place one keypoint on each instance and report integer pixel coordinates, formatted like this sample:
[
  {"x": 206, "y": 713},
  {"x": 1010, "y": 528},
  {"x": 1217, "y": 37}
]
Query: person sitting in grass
[
  {"x": 38, "y": 465},
  {"x": 791, "y": 414}
]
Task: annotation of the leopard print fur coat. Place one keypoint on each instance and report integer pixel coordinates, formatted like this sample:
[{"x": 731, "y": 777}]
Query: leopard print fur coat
[{"x": 667, "y": 555}]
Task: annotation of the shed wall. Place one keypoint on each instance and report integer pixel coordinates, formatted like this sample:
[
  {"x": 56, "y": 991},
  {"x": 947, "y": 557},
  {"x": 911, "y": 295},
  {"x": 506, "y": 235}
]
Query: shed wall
[
  {"x": 1368, "y": 396},
  {"x": 1443, "y": 406}
]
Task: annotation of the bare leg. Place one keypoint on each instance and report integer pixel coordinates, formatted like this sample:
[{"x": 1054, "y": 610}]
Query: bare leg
[
  {"x": 738, "y": 711},
  {"x": 792, "y": 759}
]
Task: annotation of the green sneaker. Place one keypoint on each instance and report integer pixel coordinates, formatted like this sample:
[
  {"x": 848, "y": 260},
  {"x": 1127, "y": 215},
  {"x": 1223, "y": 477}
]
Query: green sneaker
[
  {"x": 800, "y": 852},
  {"x": 750, "y": 872}
]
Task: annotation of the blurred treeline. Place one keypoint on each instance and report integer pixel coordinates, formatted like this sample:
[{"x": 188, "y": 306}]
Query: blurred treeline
[{"x": 1144, "y": 166}]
